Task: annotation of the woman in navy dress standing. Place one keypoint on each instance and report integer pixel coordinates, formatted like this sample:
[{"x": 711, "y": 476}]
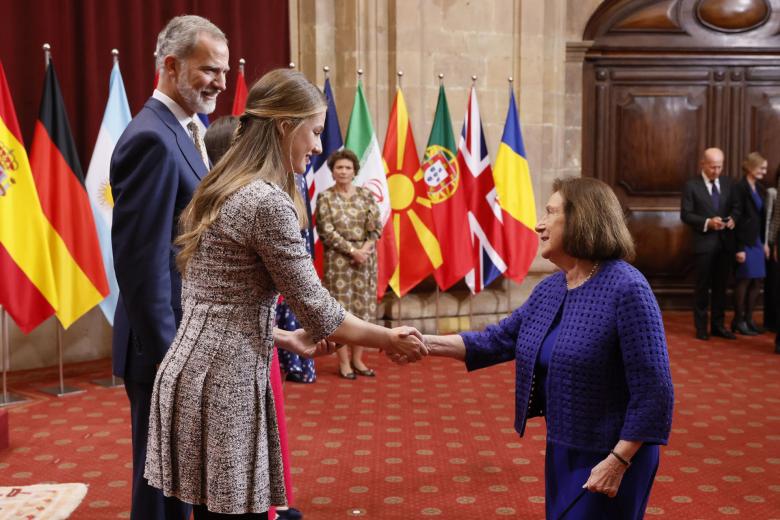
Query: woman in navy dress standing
[
  {"x": 591, "y": 357},
  {"x": 752, "y": 250}
]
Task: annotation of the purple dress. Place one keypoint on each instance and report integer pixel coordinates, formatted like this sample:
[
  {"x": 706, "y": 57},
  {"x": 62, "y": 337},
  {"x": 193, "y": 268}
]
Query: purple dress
[
  {"x": 566, "y": 469},
  {"x": 754, "y": 265}
]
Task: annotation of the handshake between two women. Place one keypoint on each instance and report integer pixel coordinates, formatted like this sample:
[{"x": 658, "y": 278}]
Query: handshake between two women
[{"x": 401, "y": 344}]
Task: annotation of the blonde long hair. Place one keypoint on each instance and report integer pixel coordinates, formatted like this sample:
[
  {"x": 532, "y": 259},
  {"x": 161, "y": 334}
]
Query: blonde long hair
[{"x": 281, "y": 97}]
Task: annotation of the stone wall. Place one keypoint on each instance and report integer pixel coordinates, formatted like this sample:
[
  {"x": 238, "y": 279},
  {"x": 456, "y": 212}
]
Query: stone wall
[{"x": 537, "y": 42}]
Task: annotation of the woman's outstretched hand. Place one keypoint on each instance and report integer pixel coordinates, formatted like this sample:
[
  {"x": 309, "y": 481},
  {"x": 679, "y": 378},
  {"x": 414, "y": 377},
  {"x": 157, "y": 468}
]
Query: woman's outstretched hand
[
  {"x": 300, "y": 342},
  {"x": 406, "y": 345}
]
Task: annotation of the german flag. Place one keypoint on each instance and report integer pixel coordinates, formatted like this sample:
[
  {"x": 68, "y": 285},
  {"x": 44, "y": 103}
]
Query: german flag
[
  {"x": 27, "y": 289},
  {"x": 74, "y": 248}
]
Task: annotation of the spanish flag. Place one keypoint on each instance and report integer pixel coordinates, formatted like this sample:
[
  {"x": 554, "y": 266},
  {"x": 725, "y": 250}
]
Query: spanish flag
[
  {"x": 73, "y": 242},
  {"x": 27, "y": 288},
  {"x": 408, "y": 249},
  {"x": 516, "y": 198},
  {"x": 239, "y": 100}
]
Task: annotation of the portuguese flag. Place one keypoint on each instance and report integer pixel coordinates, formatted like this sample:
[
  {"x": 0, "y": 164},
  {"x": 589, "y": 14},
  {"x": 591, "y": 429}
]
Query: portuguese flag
[
  {"x": 27, "y": 288},
  {"x": 74, "y": 249},
  {"x": 445, "y": 191},
  {"x": 408, "y": 250}
]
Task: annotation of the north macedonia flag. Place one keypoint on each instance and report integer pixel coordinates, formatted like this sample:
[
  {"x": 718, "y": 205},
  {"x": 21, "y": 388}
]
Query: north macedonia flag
[{"x": 408, "y": 251}]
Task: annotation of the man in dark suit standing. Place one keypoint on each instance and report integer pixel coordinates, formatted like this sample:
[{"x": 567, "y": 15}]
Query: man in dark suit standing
[
  {"x": 708, "y": 207},
  {"x": 157, "y": 163}
]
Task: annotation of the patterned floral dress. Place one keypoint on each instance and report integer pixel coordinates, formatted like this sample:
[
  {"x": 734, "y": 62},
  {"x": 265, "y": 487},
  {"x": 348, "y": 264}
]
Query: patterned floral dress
[{"x": 343, "y": 223}]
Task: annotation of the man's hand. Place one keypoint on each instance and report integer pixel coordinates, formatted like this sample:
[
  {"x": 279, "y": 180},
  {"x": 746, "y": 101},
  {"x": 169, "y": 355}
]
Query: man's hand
[
  {"x": 730, "y": 224},
  {"x": 741, "y": 256},
  {"x": 715, "y": 223}
]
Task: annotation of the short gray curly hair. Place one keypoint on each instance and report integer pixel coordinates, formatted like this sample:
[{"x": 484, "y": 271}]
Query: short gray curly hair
[{"x": 179, "y": 37}]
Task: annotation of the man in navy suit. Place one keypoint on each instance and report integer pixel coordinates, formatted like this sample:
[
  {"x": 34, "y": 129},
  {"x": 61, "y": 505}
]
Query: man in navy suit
[
  {"x": 157, "y": 163},
  {"x": 709, "y": 208}
]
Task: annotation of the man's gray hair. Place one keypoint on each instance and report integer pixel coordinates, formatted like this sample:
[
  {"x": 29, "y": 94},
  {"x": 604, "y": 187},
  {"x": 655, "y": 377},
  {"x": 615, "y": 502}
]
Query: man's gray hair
[{"x": 179, "y": 37}]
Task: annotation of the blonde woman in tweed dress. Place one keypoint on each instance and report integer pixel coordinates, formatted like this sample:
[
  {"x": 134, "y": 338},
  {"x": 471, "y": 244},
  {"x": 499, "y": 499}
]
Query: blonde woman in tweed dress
[
  {"x": 349, "y": 224},
  {"x": 213, "y": 434}
]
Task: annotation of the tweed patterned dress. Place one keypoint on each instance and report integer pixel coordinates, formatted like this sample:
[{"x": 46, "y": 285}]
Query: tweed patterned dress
[
  {"x": 213, "y": 433},
  {"x": 342, "y": 223}
]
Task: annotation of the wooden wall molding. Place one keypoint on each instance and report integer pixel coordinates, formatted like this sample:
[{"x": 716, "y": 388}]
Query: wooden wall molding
[{"x": 657, "y": 93}]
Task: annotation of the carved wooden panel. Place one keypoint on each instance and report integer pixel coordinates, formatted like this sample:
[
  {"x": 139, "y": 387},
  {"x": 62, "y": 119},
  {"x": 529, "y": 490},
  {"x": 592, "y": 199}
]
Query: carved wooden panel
[
  {"x": 663, "y": 80},
  {"x": 662, "y": 244},
  {"x": 659, "y": 132},
  {"x": 762, "y": 125}
]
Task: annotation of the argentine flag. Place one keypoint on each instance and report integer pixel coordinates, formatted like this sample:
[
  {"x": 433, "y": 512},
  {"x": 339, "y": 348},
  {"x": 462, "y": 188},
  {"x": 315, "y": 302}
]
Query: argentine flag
[{"x": 115, "y": 119}]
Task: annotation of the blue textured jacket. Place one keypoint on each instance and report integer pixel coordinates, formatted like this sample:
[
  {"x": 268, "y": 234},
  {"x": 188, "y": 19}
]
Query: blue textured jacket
[{"x": 609, "y": 376}]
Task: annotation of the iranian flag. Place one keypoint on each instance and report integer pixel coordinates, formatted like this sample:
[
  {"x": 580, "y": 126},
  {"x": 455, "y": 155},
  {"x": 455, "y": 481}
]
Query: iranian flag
[{"x": 361, "y": 139}]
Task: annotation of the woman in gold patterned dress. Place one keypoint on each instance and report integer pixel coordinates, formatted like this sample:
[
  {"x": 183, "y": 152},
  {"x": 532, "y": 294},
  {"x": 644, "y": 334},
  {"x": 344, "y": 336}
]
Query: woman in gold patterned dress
[{"x": 349, "y": 224}]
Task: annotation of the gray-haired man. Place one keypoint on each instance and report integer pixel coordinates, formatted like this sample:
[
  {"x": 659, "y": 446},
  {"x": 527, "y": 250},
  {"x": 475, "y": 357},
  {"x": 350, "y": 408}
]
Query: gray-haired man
[{"x": 156, "y": 165}]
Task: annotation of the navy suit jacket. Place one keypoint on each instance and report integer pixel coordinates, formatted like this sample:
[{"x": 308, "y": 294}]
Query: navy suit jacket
[
  {"x": 696, "y": 207},
  {"x": 155, "y": 168},
  {"x": 750, "y": 226}
]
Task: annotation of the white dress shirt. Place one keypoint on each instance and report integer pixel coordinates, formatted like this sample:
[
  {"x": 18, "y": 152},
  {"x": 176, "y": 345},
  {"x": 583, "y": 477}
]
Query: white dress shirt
[{"x": 184, "y": 119}]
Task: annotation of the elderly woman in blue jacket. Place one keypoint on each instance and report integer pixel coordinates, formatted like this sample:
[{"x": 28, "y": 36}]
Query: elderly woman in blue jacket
[{"x": 590, "y": 354}]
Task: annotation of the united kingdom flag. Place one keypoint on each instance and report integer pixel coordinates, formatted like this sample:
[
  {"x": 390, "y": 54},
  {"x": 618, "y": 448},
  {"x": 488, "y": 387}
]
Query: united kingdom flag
[{"x": 485, "y": 218}]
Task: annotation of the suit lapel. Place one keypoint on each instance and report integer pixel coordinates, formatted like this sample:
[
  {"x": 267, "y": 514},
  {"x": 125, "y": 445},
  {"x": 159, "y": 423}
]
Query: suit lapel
[
  {"x": 183, "y": 139},
  {"x": 705, "y": 194}
]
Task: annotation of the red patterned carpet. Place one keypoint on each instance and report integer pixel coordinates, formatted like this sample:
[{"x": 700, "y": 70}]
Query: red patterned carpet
[{"x": 432, "y": 440}]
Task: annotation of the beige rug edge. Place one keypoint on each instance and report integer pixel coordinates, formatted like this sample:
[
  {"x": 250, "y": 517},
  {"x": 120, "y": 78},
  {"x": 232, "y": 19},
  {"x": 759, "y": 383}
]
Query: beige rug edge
[{"x": 41, "y": 501}]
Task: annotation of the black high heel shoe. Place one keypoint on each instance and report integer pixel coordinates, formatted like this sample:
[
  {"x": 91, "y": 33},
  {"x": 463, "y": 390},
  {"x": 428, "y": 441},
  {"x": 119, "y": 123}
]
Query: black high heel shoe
[
  {"x": 755, "y": 328},
  {"x": 741, "y": 327}
]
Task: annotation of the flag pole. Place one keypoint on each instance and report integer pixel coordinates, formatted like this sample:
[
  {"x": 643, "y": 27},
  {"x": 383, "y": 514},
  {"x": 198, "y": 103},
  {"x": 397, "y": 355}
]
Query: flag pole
[
  {"x": 241, "y": 65},
  {"x": 60, "y": 390},
  {"x": 5, "y": 353},
  {"x": 113, "y": 381},
  {"x": 510, "y": 283},
  {"x": 400, "y": 75},
  {"x": 438, "y": 291}
]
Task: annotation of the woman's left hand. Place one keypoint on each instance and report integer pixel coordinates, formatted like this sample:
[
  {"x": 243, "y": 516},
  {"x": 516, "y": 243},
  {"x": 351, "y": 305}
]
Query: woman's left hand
[
  {"x": 606, "y": 476},
  {"x": 766, "y": 251},
  {"x": 299, "y": 342}
]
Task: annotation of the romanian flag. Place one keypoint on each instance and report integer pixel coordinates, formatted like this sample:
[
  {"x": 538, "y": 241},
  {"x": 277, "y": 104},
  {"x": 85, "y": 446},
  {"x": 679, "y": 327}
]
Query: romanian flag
[
  {"x": 444, "y": 180},
  {"x": 27, "y": 288},
  {"x": 516, "y": 198},
  {"x": 239, "y": 100},
  {"x": 408, "y": 249},
  {"x": 74, "y": 248}
]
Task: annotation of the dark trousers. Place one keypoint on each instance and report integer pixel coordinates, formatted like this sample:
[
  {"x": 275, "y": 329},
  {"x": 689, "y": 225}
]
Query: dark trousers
[
  {"x": 771, "y": 295},
  {"x": 201, "y": 513},
  {"x": 148, "y": 503},
  {"x": 712, "y": 274}
]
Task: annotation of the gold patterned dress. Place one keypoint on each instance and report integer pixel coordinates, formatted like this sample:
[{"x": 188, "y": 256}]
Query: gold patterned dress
[{"x": 343, "y": 223}]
